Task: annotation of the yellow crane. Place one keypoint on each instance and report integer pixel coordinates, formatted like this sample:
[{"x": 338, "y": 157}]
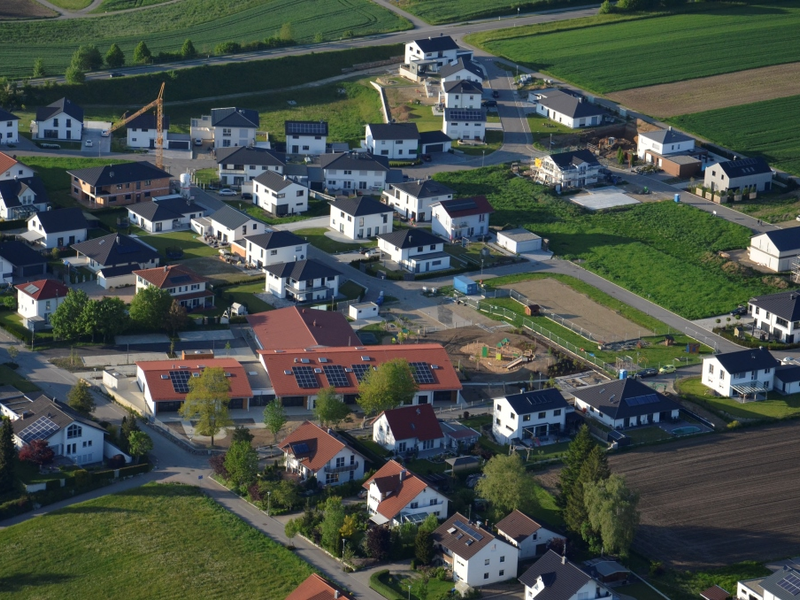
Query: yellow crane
[{"x": 158, "y": 103}]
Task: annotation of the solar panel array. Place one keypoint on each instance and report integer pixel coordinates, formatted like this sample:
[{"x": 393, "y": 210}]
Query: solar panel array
[
  {"x": 305, "y": 377},
  {"x": 468, "y": 530},
  {"x": 465, "y": 114},
  {"x": 180, "y": 381},
  {"x": 336, "y": 375},
  {"x": 300, "y": 448},
  {"x": 422, "y": 373},
  {"x": 301, "y": 127},
  {"x": 360, "y": 370},
  {"x": 790, "y": 583},
  {"x": 639, "y": 400},
  {"x": 462, "y": 204},
  {"x": 180, "y": 279},
  {"x": 41, "y": 429}
]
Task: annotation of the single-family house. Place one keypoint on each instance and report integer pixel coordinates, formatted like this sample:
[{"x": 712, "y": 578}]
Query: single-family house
[
  {"x": 625, "y": 403},
  {"x": 577, "y": 168},
  {"x": 294, "y": 328},
  {"x": 114, "y": 257},
  {"x": 350, "y": 171},
  {"x": 744, "y": 374},
  {"x": 57, "y": 228},
  {"x": 413, "y": 199},
  {"x": 9, "y": 127},
  {"x": 117, "y": 185},
  {"x": 529, "y": 415},
  {"x": 568, "y": 110},
  {"x": 310, "y": 451},
  {"x": 20, "y": 261},
  {"x": 461, "y": 69},
  {"x": 776, "y": 250},
  {"x": 519, "y": 240},
  {"x": 474, "y": 554},
  {"x": 37, "y": 300},
  {"x": 270, "y": 248},
  {"x": 462, "y": 93},
  {"x": 409, "y": 429},
  {"x": 458, "y": 437},
  {"x": 525, "y": 534},
  {"x": 227, "y": 225},
  {"x": 11, "y": 168},
  {"x": 302, "y": 280},
  {"x": 783, "y": 584},
  {"x": 395, "y": 141},
  {"x": 165, "y": 383},
  {"x": 61, "y": 120},
  {"x": 239, "y": 164},
  {"x": 739, "y": 174},
  {"x": 309, "y": 138},
  {"x": 21, "y": 197},
  {"x": 362, "y": 217},
  {"x": 143, "y": 130},
  {"x": 461, "y": 218},
  {"x": 430, "y": 55},
  {"x": 279, "y": 195},
  {"x": 395, "y": 496},
  {"x": 165, "y": 213},
  {"x": 778, "y": 315},
  {"x": 68, "y": 434},
  {"x": 233, "y": 126},
  {"x": 298, "y": 375},
  {"x": 415, "y": 250},
  {"x": 662, "y": 142},
  {"x": 315, "y": 587},
  {"x": 464, "y": 123},
  {"x": 553, "y": 577},
  {"x": 188, "y": 288}
]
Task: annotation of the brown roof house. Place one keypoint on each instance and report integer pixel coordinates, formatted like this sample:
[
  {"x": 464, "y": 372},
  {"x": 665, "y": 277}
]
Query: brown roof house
[
  {"x": 396, "y": 496},
  {"x": 409, "y": 429},
  {"x": 183, "y": 284},
  {"x": 118, "y": 185},
  {"x": 525, "y": 534},
  {"x": 318, "y": 588},
  {"x": 312, "y": 451}
]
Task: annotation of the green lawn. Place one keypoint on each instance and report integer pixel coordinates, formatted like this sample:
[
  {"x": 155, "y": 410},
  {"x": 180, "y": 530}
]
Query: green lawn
[
  {"x": 156, "y": 541},
  {"x": 111, "y": 5},
  {"x": 646, "y": 435},
  {"x": 72, "y": 4},
  {"x": 542, "y": 127},
  {"x": 351, "y": 290},
  {"x": 245, "y": 293},
  {"x": 547, "y": 510},
  {"x": 443, "y": 11},
  {"x": 775, "y": 406},
  {"x": 10, "y": 377},
  {"x": 770, "y": 129},
  {"x": 188, "y": 241},
  {"x": 494, "y": 139},
  {"x": 396, "y": 586},
  {"x": 771, "y": 208},
  {"x": 316, "y": 208},
  {"x": 316, "y": 237},
  {"x": 590, "y": 57},
  {"x": 687, "y": 585}
]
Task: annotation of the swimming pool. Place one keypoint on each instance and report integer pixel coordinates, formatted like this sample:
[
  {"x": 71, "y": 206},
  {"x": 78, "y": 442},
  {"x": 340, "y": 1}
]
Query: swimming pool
[{"x": 686, "y": 430}]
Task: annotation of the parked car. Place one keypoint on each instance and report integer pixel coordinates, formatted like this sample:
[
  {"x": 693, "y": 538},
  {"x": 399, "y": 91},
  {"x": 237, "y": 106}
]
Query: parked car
[
  {"x": 116, "y": 74},
  {"x": 666, "y": 369},
  {"x": 88, "y": 143},
  {"x": 495, "y": 94},
  {"x": 198, "y": 142},
  {"x": 427, "y": 158},
  {"x": 489, "y": 103},
  {"x": 648, "y": 372},
  {"x": 247, "y": 196},
  {"x": 226, "y": 192},
  {"x": 739, "y": 311}
]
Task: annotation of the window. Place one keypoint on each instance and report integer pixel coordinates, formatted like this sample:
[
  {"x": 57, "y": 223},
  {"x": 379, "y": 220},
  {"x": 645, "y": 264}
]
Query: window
[
  {"x": 526, "y": 418},
  {"x": 557, "y": 412},
  {"x": 433, "y": 246},
  {"x": 502, "y": 572},
  {"x": 340, "y": 461},
  {"x": 299, "y": 193},
  {"x": 148, "y": 182},
  {"x": 542, "y": 415},
  {"x": 434, "y": 501},
  {"x": 226, "y": 132},
  {"x": 710, "y": 369},
  {"x": 331, "y": 478},
  {"x": 273, "y": 252},
  {"x": 486, "y": 561},
  {"x": 722, "y": 375},
  {"x": 486, "y": 576},
  {"x": 497, "y": 421},
  {"x": 502, "y": 559},
  {"x": 74, "y": 431},
  {"x": 414, "y": 505}
]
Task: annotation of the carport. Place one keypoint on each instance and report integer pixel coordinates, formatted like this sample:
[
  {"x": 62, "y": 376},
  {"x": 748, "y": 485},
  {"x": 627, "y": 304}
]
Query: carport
[{"x": 749, "y": 392}]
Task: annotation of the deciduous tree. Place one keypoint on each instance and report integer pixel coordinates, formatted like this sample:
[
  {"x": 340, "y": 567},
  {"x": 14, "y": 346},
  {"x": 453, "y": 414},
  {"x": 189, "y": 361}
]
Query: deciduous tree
[
  {"x": 379, "y": 542},
  {"x": 13, "y": 353},
  {"x": 275, "y": 417},
  {"x": 7, "y": 454},
  {"x": 139, "y": 444},
  {"x": 38, "y": 68},
  {"x": 74, "y": 75},
  {"x": 87, "y": 58},
  {"x": 242, "y": 434},
  {"x": 66, "y": 319},
  {"x": 129, "y": 425},
  {"x": 38, "y": 452},
  {"x": 329, "y": 409},
  {"x": 207, "y": 401},
  {"x": 331, "y": 525},
  {"x": 142, "y": 54},
  {"x": 188, "y": 50},
  {"x": 287, "y": 32},
  {"x": 106, "y": 317},
  {"x": 176, "y": 318},
  {"x": 241, "y": 462},
  {"x": 506, "y": 485},
  {"x": 149, "y": 308},
  {"x": 115, "y": 57},
  {"x": 612, "y": 510},
  {"x": 391, "y": 385},
  {"x": 423, "y": 547},
  {"x": 80, "y": 398}
]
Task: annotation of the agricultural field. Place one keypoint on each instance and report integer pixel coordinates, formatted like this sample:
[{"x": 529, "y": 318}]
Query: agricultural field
[
  {"x": 156, "y": 541},
  {"x": 113, "y": 5},
  {"x": 206, "y": 22},
  {"x": 703, "y": 502},
  {"x": 770, "y": 129},
  {"x": 620, "y": 55},
  {"x": 23, "y": 9},
  {"x": 662, "y": 251},
  {"x": 437, "y": 12},
  {"x": 71, "y": 5}
]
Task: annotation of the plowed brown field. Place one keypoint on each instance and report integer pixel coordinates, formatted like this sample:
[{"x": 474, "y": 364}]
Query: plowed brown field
[{"x": 23, "y": 9}]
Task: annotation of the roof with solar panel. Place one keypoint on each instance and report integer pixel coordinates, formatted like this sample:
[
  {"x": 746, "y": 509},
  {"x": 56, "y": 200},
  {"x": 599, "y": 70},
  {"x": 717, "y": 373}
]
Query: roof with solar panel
[
  {"x": 42, "y": 418},
  {"x": 784, "y": 584},
  {"x": 463, "y": 537},
  {"x": 465, "y": 207},
  {"x": 169, "y": 380},
  {"x": 475, "y": 115},
  {"x": 44, "y": 289},
  {"x": 625, "y": 398},
  {"x": 529, "y": 402},
  {"x": 312, "y": 445},
  {"x": 305, "y": 128}
]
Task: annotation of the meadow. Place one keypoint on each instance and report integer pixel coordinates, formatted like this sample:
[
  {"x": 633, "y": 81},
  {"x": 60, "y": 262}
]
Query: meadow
[
  {"x": 113, "y": 5},
  {"x": 662, "y": 251},
  {"x": 156, "y": 541},
  {"x": 437, "y": 12},
  {"x": 770, "y": 129},
  {"x": 206, "y": 22},
  {"x": 613, "y": 54}
]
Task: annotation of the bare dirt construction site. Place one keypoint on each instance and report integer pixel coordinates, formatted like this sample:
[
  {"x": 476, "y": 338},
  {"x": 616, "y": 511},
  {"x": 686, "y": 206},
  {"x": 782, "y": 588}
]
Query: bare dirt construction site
[
  {"x": 603, "y": 323},
  {"x": 709, "y": 93}
]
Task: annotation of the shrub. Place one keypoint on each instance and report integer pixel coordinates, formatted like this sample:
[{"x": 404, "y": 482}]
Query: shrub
[
  {"x": 116, "y": 462},
  {"x": 12, "y": 508},
  {"x": 217, "y": 464},
  {"x": 82, "y": 478},
  {"x": 53, "y": 484},
  {"x": 734, "y": 425}
]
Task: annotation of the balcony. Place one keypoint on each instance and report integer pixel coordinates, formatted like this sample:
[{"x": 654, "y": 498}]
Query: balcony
[{"x": 342, "y": 469}]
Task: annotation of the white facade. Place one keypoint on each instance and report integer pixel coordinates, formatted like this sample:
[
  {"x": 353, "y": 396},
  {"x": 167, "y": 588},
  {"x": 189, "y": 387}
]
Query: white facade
[
  {"x": 58, "y": 239},
  {"x": 414, "y": 54},
  {"x": 180, "y": 293},
  {"x": 79, "y": 442},
  {"x": 495, "y": 562},
  {"x": 225, "y": 233},
  {"x": 507, "y": 425},
  {"x": 453, "y": 227},
  {"x": 621, "y": 423},
  {"x": 291, "y": 199},
  {"x": 570, "y": 176},
  {"x": 363, "y": 310},
  {"x": 721, "y": 381},
  {"x": 9, "y": 131},
  {"x": 421, "y": 259},
  {"x": 764, "y": 252},
  {"x": 359, "y": 228},
  {"x": 345, "y": 466},
  {"x": 233, "y": 174},
  {"x": 225, "y": 137},
  {"x": 458, "y": 129},
  {"x": 412, "y": 207},
  {"x": 590, "y": 589},
  {"x": 532, "y": 545},
  {"x": 459, "y": 99},
  {"x": 141, "y": 137},
  {"x": 30, "y": 308},
  {"x": 319, "y": 288},
  {"x": 58, "y": 127},
  {"x": 780, "y": 328},
  {"x": 646, "y": 144},
  {"x": 350, "y": 179},
  {"x": 262, "y": 257},
  {"x": 382, "y": 434},
  {"x": 310, "y": 145},
  {"x": 427, "y": 502},
  {"x": 17, "y": 171},
  {"x": 519, "y": 240},
  {"x": 571, "y": 122},
  {"x": 462, "y": 74}
]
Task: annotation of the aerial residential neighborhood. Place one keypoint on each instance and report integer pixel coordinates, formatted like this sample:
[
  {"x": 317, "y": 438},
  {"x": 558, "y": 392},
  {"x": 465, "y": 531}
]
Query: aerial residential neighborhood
[{"x": 409, "y": 301}]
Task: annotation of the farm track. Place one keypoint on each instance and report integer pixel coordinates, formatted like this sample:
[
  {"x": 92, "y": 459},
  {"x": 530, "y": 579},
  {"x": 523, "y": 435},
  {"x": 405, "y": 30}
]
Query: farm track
[{"x": 719, "y": 499}]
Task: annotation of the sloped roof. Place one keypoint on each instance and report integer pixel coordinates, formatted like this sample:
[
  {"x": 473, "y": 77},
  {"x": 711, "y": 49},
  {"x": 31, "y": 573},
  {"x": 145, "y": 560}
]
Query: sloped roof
[
  {"x": 534, "y": 401},
  {"x": 63, "y": 219},
  {"x": 116, "y": 249},
  {"x": 312, "y": 445},
  {"x": 465, "y": 207},
  {"x": 275, "y": 239},
  {"x": 11, "y": 189},
  {"x": 47, "y": 417},
  {"x": 302, "y": 270},
  {"x": 354, "y": 161},
  {"x": 317, "y": 588},
  {"x": 63, "y": 105},
  {"x": 170, "y": 276},
  {"x": 361, "y": 206},
  {"x": 561, "y": 578},
  {"x": 394, "y": 131},
  {"x": 157, "y": 374},
  {"x": 7, "y": 116},
  {"x": 565, "y": 160},
  {"x": 410, "y": 238},
  {"x": 120, "y": 173},
  {"x": 164, "y": 210},
  {"x": 437, "y": 44},
  {"x": 229, "y": 217},
  {"x": 666, "y": 136},
  {"x": 424, "y": 188},
  {"x": 20, "y": 255},
  {"x": 148, "y": 121},
  {"x": 273, "y": 181},
  {"x": 418, "y": 422},
  {"x": 399, "y": 484},
  {"x": 715, "y": 593},
  {"x": 305, "y": 128},
  {"x": 460, "y": 65},
  {"x": 785, "y": 240},
  {"x": 518, "y": 526},
  {"x": 434, "y": 137},
  {"x": 43, "y": 289},
  {"x": 744, "y": 167},
  {"x": 783, "y": 583},
  {"x": 233, "y": 116},
  {"x": 570, "y": 106},
  {"x": 625, "y": 398},
  {"x": 462, "y": 86},
  {"x": 294, "y": 327},
  {"x": 785, "y": 305},
  {"x": 747, "y": 360},
  {"x": 246, "y": 155},
  {"x": 6, "y": 162},
  {"x": 462, "y": 538},
  {"x": 788, "y": 373}
]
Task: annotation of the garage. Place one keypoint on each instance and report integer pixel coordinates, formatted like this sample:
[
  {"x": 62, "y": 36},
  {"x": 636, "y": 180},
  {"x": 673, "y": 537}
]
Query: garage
[
  {"x": 434, "y": 148},
  {"x": 434, "y": 142},
  {"x": 519, "y": 240}
]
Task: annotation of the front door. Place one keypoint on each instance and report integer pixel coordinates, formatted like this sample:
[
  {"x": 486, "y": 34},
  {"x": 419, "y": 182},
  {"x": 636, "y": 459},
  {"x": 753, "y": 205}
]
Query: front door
[
  {"x": 369, "y": 231},
  {"x": 158, "y": 225},
  {"x": 69, "y": 134},
  {"x": 295, "y": 149},
  {"x": 60, "y": 243}
]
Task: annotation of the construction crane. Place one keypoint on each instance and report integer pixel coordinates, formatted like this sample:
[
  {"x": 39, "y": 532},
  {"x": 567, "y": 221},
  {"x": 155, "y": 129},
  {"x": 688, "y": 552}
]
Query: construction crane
[{"x": 158, "y": 103}]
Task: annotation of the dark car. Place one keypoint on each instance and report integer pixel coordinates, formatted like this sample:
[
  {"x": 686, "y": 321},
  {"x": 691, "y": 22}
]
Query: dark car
[
  {"x": 495, "y": 94},
  {"x": 115, "y": 74},
  {"x": 648, "y": 372},
  {"x": 489, "y": 103},
  {"x": 247, "y": 196},
  {"x": 427, "y": 157},
  {"x": 739, "y": 311}
]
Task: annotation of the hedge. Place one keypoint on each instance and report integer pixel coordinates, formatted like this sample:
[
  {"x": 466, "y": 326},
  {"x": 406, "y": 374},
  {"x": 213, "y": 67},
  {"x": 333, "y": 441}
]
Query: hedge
[
  {"x": 377, "y": 584},
  {"x": 12, "y": 508}
]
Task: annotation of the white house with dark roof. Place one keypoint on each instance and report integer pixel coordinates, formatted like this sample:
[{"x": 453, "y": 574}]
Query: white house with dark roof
[
  {"x": 187, "y": 287},
  {"x": 227, "y": 225},
  {"x": 430, "y": 55},
  {"x": 395, "y": 496},
  {"x": 662, "y": 142},
  {"x": 279, "y": 195},
  {"x": 529, "y": 416},
  {"x": 362, "y": 217},
  {"x": 738, "y": 174},
  {"x": 625, "y": 403},
  {"x": 114, "y": 258},
  {"x": 395, "y": 141},
  {"x": 143, "y": 130},
  {"x": 783, "y": 584},
  {"x": 233, "y": 126},
  {"x": 553, "y": 577},
  {"x": 412, "y": 429},
  {"x": 525, "y": 534},
  {"x": 572, "y": 169},
  {"x": 61, "y": 120},
  {"x": 567, "y": 109},
  {"x": 57, "y": 228},
  {"x": 9, "y": 127},
  {"x": 19, "y": 260},
  {"x": 744, "y": 374},
  {"x": 238, "y": 165},
  {"x": 350, "y": 171},
  {"x": 309, "y": 138},
  {"x": 776, "y": 250},
  {"x": 302, "y": 280},
  {"x": 165, "y": 213},
  {"x": 271, "y": 248},
  {"x": 37, "y": 300},
  {"x": 464, "y": 123},
  {"x": 461, "y": 218},
  {"x": 22, "y": 196},
  {"x": 778, "y": 315},
  {"x": 413, "y": 199},
  {"x": 431, "y": 142},
  {"x": 117, "y": 185},
  {"x": 415, "y": 250},
  {"x": 461, "y": 69},
  {"x": 462, "y": 93}
]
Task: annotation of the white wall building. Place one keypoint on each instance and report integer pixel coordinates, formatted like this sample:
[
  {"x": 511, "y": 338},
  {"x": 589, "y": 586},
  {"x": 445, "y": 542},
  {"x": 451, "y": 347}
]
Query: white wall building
[
  {"x": 11, "y": 168},
  {"x": 361, "y": 217},
  {"x": 746, "y": 374},
  {"x": 395, "y": 141},
  {"x": 568, "y": 110},
  {"x": 412, "y": 429},
  {"x": 239, "y": 165},
  {"x": 350, "y": 171},
  {"x": 525, "y": 534},
  {"x": 529, "y": 415},
  {"x": 9, "y": 127},
  {"x": 143, "y": 131},
  {"x": 279, "y": 195},
  {"x": 227, "y": 225},
  {"x": 738, "y": 174},
  {"x": 61, "y": 120},
  {"x": 461, "y": 69},
  {"x": 462, "y": 93},
  {"x": 777, "y": 249},
  {"x": 165, "y": 213},
  {"x": 302, "y": 281},
  {"x": 519, "y": 240},
  {"x": 461, "y": 218},
  {"x": 434, "y": 51},
  {"x": 308, "y": 138},
  {"x": 778, "y": 315},
  {"x": 569, "y": 169},
  {"x": 415, "y": 250},
  {"x": 464, "y": 124},
  {"x": 37, "y": 300},
  {"x": 310, "y": 450},
  {"x": 663, "y": 142},
  {"x": 556, "y": 578},
  {"x": 624, "y": 403},
  {"x": 19, "y": 198},
  {"x": 413, "y": 199},
  {"x": 271, "y": 248},
  {"x": 59, "y": 228},
  {"x": 183, "y": 284},
  {"x": 395, "y": 496}
]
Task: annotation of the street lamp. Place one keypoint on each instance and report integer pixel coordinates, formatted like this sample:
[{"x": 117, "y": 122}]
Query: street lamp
[
  {"x": 518, "y": 12},
  {"x": 409, "y": 591},
  {"x": 269, "y": 493},
  {"x": 483, "y": 158}
]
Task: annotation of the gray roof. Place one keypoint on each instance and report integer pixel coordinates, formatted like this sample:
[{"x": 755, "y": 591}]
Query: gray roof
[
  {"x": 20, "y": 255},
  {"x": 302, "y": 270},
  {"x": 7, "y": 116},
  {"x": 63, "y": 105},
  {"x": 245, "y": 155},
  {"x": 784, "y": 583},
  {"x": 437, "y": 44},
  {"x": 785, "y": 305},
  {"x": 519, "y": 234},
  {"x": 410, "y": 238},
  {"x": 570, "y": 106},
  {"x": 788, "y": 373},
  {"x": 666, "y": 136},
  {"x": 361, "y": 206},
  {"x": 275, "y": 239},
  {"x": 353, "y": 161},
  {"x": 424, "y": 188},
  {"x": 561, "y": 578},
  {"x": 528, "y": 402},
  {"x": 121, "y": 173},
  {"x": 234, "y": 117},
  {"x": 565, "y": 160},
  {"x": 63, "y": 219},
  {"x": 460, "y": 65},
  {"x": 47, "y": 418},
  {"x": 305, "y": 128},
  {"x": 434, "y": 137},
  {"x": 463, "y": 86},
  {"x": 116, "y": 249},
  {"x": 747, "y": 360},
  {"x": 147, "y": 121},
  {"x": 230, "y": 217},
  {"x": 623, "y": 398},
  {"x": 744, "y": 167},
  {"x": 11, "y": 189},
  {"x": 394, "y": 131},
  {"x": 476, "y": 115},
  {"x": 784, "y": 239},
  {"x": 165, "y": 210},
  {"x": 273, "y": 181}
]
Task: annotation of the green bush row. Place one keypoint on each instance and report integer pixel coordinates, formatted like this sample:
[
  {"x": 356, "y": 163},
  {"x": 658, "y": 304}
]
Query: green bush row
[{"x": 377, "y": 584}]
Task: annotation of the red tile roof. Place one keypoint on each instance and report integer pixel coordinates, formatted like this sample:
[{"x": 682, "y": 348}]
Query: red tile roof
[
  {"x": 715, "y": 593},
  {"x": 418, "y": 422},
  {"x": 291, "y": 328},
  {"x": 313, "y": 445},
  {"x": 518, "y": 526},
  {"x": 164, "y": 277},
  {"x": 162, "y": 390},
  {"x": 278, "y": 363},
  {"x": 43, "y": 289},
  {"x": 465, "y": 207},
  {"x": 457, "y": 534},
  {"x": 317, "y": 588},
  {"x": 6, "y": 162},
  {"x": 401, "y": 490}
]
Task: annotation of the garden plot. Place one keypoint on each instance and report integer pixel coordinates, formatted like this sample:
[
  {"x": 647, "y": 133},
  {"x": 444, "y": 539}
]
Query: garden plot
[{"x": 604, "y": 198}]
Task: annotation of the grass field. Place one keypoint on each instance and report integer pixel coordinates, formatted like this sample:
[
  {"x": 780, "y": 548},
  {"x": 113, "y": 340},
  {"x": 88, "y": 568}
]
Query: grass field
[
  {"x": 112, "y": 5},
  {"x": 23, "y": 9},
  {"x": 188, "y": 241},
  {"x": 245, "y": 293},
  {"x": 206, "y": 22},
  {"x": 71, "y": 5},
  {"x": 662, "y": 251},
  {"x": 771, "y": 210},
  {"x": 775, "y": 406},
  {"x": 53, "y": 171},
  {"x": 156, "y": 541},
  {"x": 770, "y": 129},
  {"x": 10, "y": 377},
  {"x": 444, "y": 11},
  {"x": 623, "y": 55},
  {"x": 316, "y": 237}
]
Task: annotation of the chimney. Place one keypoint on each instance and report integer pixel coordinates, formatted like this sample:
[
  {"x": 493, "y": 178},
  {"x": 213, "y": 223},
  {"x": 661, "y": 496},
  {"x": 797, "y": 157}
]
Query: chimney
[
  {"x": 165, "y": 268},
  {"x": 335, "y": 593},
  {"x": 314, "y": 323},
  {"x": 402, "y": 474},
  {"x": 563, "y": 559}
]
